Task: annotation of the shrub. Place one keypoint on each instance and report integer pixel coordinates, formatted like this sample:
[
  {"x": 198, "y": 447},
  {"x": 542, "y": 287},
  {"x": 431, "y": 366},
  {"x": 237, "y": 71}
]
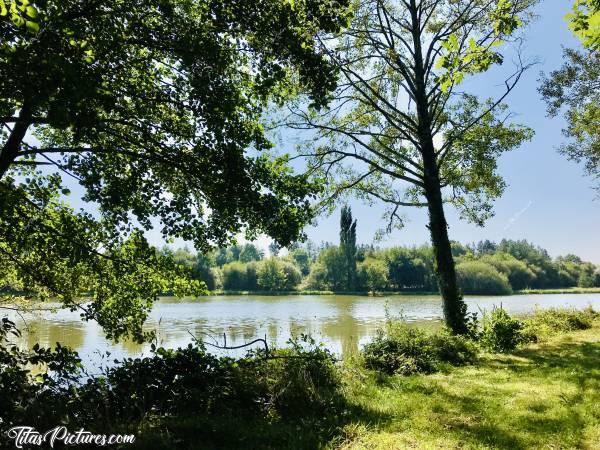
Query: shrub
[
  {"x": 500, "y": 332},
  {"x": 519, "y": 275},
  {"x": 453, "y": 349},
  {"x": 372, "y": 274},
  {"x": 404, "y": 350},
  {"x": 547, "y": 322},
  {"x": 477, "y": 277},
  {"x": 271, "y": 275},
  {"x": 293, "y": 276}
]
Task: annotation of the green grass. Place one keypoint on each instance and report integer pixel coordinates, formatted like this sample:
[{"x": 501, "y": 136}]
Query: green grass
[
  {"x": 313, "y": 292},
  {"x": 542, "y": 396},
  {"x": 573, "y": 290}
]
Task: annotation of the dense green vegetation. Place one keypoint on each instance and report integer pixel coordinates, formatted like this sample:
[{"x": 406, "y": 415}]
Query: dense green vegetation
[
  {"x": 407, "y": 386},
  {"x": 154, "y": 109},
  {"x": 404, "y": 131},
  {"x": 484, "y": 268}
]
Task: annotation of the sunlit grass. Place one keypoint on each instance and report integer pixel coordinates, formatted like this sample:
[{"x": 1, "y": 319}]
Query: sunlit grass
[{"x": 543, "y": 396}]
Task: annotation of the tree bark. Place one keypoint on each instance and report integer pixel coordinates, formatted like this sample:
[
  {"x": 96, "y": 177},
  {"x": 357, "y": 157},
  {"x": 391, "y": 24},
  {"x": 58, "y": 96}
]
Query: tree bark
[
  {"x": 453, "y": 304},
  {"x": 9, "y": 152},
  {"x": 454, "y": 307}
]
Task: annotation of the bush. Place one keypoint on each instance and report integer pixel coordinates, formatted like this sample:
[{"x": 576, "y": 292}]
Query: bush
[
  {"x": 547, "y": 322},
  {"x": 477, "y": 277},
  {"x": 372, "y": 274},
  {"x": 453, "y": 349},
  {"x": 404, "y": 350},
  {"x": 271, "y": 275},
  {"x": 293, "y": 276},
  {"x": 500, "y": 332},
  {"x": 300, "y": 380},
  {"x": 238, "y": 276}
]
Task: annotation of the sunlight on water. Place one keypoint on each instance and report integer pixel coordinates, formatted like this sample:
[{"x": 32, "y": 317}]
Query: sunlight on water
[{"x": 342, "y": 323}]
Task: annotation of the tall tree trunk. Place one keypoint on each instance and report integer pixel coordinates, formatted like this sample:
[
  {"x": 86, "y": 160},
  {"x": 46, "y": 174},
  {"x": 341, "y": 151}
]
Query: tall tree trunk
[{"x": 454, "y": 306}]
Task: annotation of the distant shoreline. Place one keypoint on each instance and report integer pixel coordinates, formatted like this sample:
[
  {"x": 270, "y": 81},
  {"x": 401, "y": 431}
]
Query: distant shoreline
[{"x": 408, "y": 293}]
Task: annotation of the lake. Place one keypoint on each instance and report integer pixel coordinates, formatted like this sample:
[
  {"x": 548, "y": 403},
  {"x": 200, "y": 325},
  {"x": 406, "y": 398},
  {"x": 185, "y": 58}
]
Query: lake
[{"x": 342, "y": 323}]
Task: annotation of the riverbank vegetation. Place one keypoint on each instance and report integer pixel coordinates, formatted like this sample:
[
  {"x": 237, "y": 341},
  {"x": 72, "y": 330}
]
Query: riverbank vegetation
[
  {"x": 498, "y": 387},
  {"x": 486, "y": 268}
]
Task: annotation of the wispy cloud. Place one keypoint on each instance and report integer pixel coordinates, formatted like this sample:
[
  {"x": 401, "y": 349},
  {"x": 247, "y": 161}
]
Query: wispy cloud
[{"x": 516, "y": 217}]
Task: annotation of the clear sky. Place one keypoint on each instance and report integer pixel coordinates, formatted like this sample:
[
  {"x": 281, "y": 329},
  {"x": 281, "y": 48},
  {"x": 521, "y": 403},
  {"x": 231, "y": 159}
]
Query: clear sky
[{"x": 548, "y": 200}]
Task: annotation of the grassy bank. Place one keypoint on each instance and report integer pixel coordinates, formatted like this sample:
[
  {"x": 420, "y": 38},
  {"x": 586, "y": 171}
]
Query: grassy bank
[
  {"x": 542, "y": 396},
  {"x": 574, "y": 290},
  {"x": 312, "y": 292}
]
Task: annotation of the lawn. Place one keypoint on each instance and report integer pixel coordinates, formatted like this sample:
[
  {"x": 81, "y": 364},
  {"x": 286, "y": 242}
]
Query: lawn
[{"x": 542, "y": 396}]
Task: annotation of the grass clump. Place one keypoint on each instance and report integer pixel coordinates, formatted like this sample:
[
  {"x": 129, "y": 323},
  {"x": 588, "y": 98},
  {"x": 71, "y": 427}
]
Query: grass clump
[
  {"x": 500, "y": 332},
  {"x": 401, "y": 349},
  {"x": 549, "y": 322}
]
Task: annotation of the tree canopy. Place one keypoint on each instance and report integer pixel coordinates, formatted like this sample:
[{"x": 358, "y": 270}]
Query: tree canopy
[
  {"x": 575, "y": 87},
  {"x": 154, "y": 108},
  {"x": 401, "y": 131}
]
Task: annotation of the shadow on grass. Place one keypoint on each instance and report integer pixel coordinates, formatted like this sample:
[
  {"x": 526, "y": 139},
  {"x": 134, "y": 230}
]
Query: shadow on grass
[
  {"x": 537, "y": 397},
  {"x": 542, "y": 401},
  {"x": 242, "y": 431}
]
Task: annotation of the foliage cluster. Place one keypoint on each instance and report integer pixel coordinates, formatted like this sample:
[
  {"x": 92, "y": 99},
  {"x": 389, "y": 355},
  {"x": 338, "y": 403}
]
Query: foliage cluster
[
  {"x": 401, "y": 349},
  {"x": 485, "y": 268},
  {"x": 281, "y": 386}
]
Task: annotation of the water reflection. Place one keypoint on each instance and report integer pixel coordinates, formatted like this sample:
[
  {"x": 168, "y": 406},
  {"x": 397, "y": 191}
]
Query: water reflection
[{"x": 342, "y": 323}]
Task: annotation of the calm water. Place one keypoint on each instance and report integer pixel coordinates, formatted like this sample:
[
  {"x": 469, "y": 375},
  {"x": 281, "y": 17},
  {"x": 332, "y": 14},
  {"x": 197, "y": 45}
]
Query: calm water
[{"x": 342, "y": 323}]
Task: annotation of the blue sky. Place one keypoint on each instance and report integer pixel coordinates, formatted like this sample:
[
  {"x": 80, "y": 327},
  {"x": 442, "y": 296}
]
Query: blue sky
[{"x": 548, "y": 200}]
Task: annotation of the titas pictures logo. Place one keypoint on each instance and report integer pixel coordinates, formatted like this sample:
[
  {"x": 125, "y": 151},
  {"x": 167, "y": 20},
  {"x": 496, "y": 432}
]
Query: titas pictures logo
[{"x": 29, "y": 436}]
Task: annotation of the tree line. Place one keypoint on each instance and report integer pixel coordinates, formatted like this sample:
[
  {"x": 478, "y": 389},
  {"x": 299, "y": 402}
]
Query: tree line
[
  {"x": 485, "y": 267},
  {"x": 158, "y": 109}
]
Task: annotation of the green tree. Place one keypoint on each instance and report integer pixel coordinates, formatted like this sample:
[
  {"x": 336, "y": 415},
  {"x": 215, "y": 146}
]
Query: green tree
[
  {"x": 271, "y": 275},
  {"x": 373, "y": 274},
  {"x": 405, "y": 270},
  {"x": 302, "y": 259},
  {"x": 348, "y": 246},
  {"x": 477, "y": 277},
  {"x": 519, "y": 275},
  {"x": 584, "y": 21},
  {"x": 151, "y": 107},
  {"x": 401, "y": 131},
  {"x": 329, "y": 271},
  {"x": 575, "y": 89},
  {"x": 250, "y": 252}
]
